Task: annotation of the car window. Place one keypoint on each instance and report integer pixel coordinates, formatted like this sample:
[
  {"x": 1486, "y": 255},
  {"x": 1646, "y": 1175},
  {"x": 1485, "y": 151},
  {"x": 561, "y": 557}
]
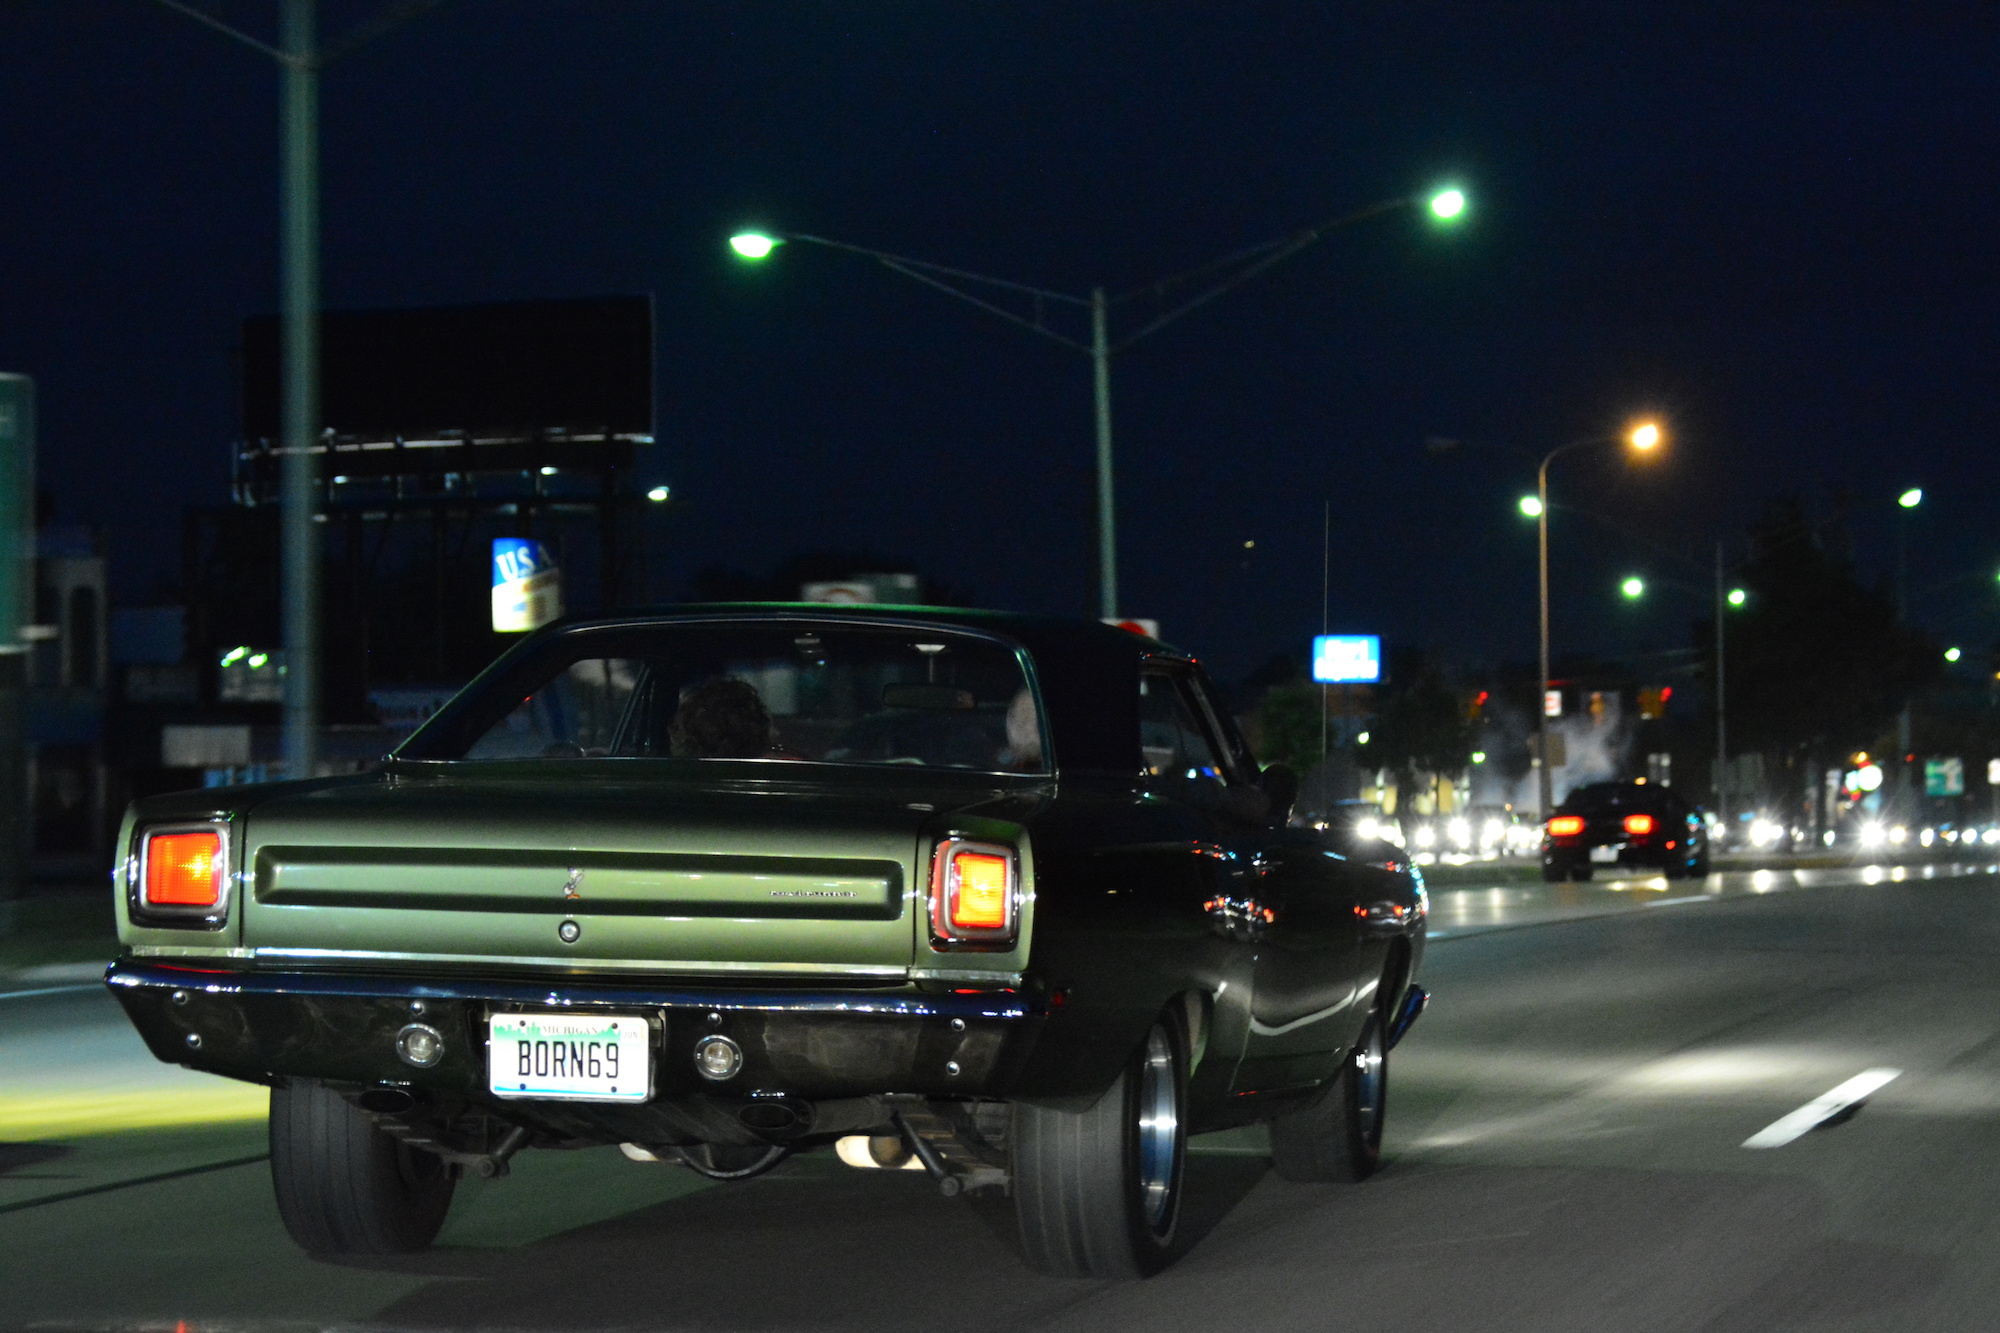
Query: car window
[
  {"x": 788, "y": 691},
  {"x": 1239, "y": 765},
  {"x": 1174, "y": 746},
  {"x": 574, "y": 715}
]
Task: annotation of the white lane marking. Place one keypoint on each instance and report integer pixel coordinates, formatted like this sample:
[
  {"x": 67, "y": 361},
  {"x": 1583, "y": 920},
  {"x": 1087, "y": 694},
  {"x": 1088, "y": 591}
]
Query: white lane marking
[
  {"x": 1820, "y": 1109},
  {"x": 50, "y": 990}
]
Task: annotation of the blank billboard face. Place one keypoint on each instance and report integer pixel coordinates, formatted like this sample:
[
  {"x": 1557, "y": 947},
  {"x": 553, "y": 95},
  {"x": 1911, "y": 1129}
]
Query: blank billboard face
[{"x": 515, "y": 368}]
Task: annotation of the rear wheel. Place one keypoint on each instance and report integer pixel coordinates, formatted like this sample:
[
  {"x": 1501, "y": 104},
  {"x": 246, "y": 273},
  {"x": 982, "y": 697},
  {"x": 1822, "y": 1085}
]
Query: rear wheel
[
  {"x": 1098, "y": 1192},
  {"x": 1338, "y": 1136},
  {"x": 344, "y": 1186}
]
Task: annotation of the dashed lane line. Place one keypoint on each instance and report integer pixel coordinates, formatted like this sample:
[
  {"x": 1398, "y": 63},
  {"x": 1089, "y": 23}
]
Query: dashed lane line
[{"x": 1821, "y": 1109}]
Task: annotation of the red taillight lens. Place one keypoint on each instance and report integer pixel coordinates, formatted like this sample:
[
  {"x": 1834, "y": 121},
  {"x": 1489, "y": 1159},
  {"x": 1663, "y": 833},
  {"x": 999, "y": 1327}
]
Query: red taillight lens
[
  {"x": 183, "y": 870},
  {"x": 1638, "y": 825},
  {"x": 979, "y": 899},
  {"x": 973, "y": 894},
  {"x": 1565, "y": 826}
]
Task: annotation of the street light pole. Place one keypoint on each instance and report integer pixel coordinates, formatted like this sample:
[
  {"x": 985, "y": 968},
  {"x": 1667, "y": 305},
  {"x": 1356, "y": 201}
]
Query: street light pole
[
  {"x": 1644, "y": 436},
  {"x": 1542, "y": 766},
  {"x": 1721, "y": 716},
  {"x": 301, "y": 57},
  {"x": 1107, "y": 506},
  {"x": 299, "y": 488},
  {"x": 1233, "y": 270}
]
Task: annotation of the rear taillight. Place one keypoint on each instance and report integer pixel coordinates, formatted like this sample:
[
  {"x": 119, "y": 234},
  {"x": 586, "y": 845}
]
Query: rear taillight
[
  {"x": 1565, "y": 826},
  {"x": 1638, "y": 825},
  {"x": 183, "y": 874},
  {"x": 975, "y": 895}
]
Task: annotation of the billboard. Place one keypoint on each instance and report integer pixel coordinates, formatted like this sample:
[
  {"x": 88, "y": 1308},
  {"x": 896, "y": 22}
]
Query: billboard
[
  {"x": 1347, "y": 659},
  {"x": 527, "y": 586},
  {"x": 516, "y": 368}
]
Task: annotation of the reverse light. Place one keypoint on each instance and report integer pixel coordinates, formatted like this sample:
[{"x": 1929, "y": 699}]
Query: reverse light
[
  {"x": 975, "y": 895},
  {"x": 1638, "y": 825},
  {"x": 1565, "y": 826}
]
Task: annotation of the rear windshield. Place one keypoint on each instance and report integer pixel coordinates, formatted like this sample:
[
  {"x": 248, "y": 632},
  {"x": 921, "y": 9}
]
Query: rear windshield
[
  {"x": 836, "y": 694},
  {"x": 1619, "y": 796}
]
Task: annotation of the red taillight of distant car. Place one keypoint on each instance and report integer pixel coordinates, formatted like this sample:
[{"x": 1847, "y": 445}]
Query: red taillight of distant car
[
  {"x": 1638, "y": 825},
  {"x": 1565, "y": 826}
]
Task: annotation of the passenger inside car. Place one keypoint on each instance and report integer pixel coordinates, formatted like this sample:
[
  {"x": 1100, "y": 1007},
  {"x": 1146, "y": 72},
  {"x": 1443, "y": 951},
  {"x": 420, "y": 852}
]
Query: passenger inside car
[{"x": 722, "y": 718}]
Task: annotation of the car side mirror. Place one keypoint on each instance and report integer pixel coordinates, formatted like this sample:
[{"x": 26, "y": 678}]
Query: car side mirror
[{"x": 1281, "y": 787}]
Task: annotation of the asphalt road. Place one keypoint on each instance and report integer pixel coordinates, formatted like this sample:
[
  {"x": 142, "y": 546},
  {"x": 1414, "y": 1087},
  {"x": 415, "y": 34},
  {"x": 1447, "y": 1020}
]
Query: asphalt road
[{"x": 1566, "y": 1151}]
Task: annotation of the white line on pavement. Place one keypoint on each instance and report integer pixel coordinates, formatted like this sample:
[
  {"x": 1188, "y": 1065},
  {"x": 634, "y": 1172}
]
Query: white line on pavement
[
  {"x": 50, "y": 990},
  {"x": 1820, "y": 1109}
]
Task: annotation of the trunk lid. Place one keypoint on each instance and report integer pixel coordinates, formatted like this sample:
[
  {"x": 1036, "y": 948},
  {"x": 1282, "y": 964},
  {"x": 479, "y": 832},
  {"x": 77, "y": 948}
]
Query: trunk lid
[{"x": 591, "y": 873}]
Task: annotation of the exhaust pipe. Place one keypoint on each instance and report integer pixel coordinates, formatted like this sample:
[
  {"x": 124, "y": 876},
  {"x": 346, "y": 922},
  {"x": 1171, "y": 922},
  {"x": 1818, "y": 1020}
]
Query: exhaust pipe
[{"x": 1415, "y": 1000}]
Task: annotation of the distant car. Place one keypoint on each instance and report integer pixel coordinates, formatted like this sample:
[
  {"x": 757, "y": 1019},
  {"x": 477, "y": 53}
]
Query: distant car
[
  {"x": 1631, "y": 824},
  {"x": 1001, "y": 895}
]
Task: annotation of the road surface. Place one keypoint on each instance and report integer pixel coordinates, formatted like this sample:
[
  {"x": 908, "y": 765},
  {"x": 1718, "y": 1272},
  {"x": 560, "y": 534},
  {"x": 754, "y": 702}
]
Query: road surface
[{"x": 1566, "y": 1151}]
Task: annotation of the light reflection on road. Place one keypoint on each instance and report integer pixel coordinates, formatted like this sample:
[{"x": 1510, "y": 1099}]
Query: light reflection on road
[{"x": 1471, "y": 910}]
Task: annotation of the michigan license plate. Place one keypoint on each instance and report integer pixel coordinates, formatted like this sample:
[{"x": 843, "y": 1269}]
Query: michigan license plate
[{"x": 570, "y": 1057}]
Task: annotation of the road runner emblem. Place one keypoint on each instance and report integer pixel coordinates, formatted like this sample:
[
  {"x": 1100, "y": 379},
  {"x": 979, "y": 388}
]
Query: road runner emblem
[{"x": 570, "y": 887}]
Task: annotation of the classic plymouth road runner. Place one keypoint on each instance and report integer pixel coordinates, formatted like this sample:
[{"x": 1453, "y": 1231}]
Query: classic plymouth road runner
[{"x": 1000, "y": 898}]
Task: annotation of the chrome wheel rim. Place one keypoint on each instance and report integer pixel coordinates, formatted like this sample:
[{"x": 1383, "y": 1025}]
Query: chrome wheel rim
[
  {"x": 1370, "y": 1083},
  {"x": 1159, "y": 1131}
]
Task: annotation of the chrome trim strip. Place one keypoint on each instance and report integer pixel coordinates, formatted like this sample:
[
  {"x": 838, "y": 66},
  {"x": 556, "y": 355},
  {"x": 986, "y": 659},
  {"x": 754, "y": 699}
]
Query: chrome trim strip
[
  {"x": 567, "y": 963},
  {"x": 128, "y": 975}
]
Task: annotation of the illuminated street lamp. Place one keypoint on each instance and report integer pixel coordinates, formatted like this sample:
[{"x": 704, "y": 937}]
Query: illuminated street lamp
[
  {"x": 1209, "y": 282},
  {"x": 1531, "y": 506},
  {"x": 754, "y": 244},
  {"x": 1643, "y": 437},
  {"x": 1633, "y": 586},
  {"x": 1738, "y": 597},
  {"x": 1911, "y": 498},
  {"x": 1952, "y": 654}
]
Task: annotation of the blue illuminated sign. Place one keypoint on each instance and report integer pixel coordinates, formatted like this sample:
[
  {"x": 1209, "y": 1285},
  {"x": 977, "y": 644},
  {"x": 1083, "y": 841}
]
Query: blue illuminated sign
[{"x": 1347, "y": 659}]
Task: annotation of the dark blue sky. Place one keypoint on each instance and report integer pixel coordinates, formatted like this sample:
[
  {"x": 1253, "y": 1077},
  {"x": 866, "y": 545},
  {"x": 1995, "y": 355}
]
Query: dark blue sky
[{"x": 1771, "y": 223}]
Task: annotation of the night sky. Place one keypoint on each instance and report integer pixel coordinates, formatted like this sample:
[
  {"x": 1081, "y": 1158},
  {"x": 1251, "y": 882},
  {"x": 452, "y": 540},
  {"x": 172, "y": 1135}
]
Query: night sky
[{"x": 1771, "y": 224}]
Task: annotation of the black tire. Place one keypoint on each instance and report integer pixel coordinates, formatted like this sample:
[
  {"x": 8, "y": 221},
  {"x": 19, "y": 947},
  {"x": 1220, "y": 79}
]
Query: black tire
[
  {"x": 344, "y": 1186},
  {"x": 1098, "y": 1193},
  {"x": 1338, "y": 1135}
]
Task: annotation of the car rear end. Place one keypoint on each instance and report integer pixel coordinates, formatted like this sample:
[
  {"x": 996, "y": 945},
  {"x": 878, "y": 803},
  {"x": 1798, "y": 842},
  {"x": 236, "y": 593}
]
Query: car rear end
[{"x": 1624, "y": 826}]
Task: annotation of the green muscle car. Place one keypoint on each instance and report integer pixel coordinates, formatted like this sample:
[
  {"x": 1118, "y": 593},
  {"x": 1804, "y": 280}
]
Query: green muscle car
[{"x": 1003, "y": 896}]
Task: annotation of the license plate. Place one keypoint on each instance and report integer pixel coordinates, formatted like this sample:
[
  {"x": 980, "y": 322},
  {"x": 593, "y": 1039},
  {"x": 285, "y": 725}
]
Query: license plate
[
  {"x": 570, "y": 1057},
  {"x": 1608, "y": 854}
]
